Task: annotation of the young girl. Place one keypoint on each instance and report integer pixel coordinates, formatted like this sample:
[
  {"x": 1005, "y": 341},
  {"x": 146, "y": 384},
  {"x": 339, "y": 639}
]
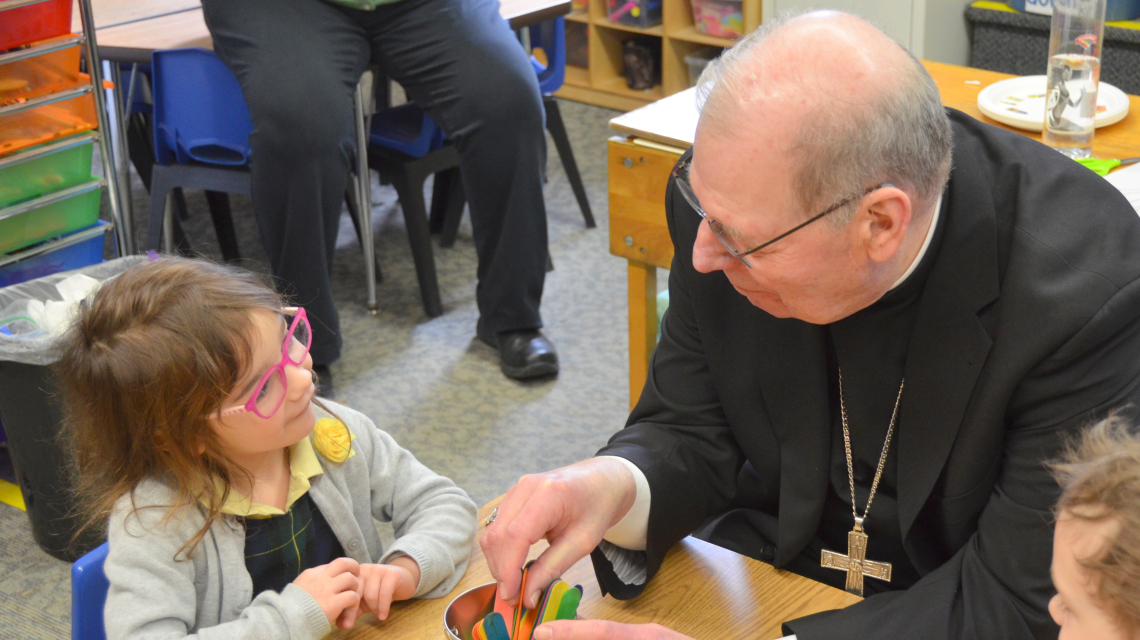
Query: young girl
[
  {"x": 1096, "y": 545},
  {"x": 237, "y": 502}
]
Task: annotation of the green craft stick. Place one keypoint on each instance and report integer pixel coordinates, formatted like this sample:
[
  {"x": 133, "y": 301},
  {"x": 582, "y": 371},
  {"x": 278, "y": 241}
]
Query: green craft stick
[
  {"x": 568, "y": 608},
  {"x": 552, "y": 601}
]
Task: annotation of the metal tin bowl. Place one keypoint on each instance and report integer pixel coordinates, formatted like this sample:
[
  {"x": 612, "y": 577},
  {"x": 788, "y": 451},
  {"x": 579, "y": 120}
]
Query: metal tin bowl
[{"x": 466, "y": 609}]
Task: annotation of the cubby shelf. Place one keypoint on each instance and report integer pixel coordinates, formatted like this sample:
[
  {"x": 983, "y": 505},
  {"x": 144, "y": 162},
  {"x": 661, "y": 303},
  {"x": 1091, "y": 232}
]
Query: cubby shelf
[{"x": 602, "y": 82}]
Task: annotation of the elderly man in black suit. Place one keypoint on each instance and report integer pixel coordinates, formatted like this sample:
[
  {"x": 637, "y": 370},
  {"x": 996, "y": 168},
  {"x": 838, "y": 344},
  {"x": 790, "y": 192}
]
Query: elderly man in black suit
[{"x": 885, "y": 318}]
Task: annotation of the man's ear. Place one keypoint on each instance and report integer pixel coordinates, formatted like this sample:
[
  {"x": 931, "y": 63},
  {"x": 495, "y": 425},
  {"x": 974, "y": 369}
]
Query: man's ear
[{"x": 883, "y": 225}]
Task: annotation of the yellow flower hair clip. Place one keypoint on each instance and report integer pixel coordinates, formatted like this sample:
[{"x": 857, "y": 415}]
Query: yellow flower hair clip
[{"x": 333, "y": 440}]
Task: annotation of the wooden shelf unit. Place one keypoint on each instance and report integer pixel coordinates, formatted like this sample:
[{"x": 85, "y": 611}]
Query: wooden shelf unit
[{"x": 602, "y": 83}]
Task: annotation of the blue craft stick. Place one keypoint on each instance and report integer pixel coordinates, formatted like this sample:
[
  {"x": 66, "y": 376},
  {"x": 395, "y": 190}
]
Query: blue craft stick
[{"x": 496, "y": 627}]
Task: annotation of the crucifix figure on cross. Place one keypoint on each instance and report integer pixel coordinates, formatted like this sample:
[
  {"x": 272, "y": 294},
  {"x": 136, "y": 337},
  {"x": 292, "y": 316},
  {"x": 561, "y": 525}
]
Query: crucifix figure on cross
[{"x": 855, "y": 563}]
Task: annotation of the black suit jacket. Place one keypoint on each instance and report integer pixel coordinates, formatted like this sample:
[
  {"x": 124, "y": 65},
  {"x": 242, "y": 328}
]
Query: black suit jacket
[{"x": 1027, "y": 329}]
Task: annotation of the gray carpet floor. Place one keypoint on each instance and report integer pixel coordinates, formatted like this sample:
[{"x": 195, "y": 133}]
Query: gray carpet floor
[{"x": 428, "y": 382}]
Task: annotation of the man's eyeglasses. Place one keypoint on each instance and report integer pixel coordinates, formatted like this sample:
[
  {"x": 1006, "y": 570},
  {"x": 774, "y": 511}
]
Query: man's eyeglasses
[
  {"x": 269, "y": 393},
  {"x": 681, "y": 175}
]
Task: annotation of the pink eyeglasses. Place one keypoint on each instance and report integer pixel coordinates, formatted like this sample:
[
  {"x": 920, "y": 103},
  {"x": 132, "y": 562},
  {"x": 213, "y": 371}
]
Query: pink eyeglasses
[{"x": 269, "y": 393}]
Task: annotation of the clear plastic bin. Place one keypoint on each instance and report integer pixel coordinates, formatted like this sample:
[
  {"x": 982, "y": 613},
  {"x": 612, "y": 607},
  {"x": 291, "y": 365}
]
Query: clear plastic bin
[
  {"x": 46, "y": 123},
  {"x": 40, "y": 174},
  {"x": 79, "y": 249},
  {"x": 697, "y": 62},
  {"x": 638, "y": 13},
  {"x": 720, "y": 18},
  {"x": 46, "y": 73},
  {"x": 34, "y": 22},
  {"x": 48, "y": 216}
]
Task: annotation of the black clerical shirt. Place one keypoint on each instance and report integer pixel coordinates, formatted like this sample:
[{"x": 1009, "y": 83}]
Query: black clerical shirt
[{"x": 870, "y": 347}]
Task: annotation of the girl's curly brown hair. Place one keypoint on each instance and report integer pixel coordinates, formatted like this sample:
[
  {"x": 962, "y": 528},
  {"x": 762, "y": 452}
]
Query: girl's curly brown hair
[
  {"x": 147, "y": 361},
  {"x": 1100, "y": 480}
]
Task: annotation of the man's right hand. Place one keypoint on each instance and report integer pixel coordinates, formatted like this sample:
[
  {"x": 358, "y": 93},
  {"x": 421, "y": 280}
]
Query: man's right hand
[{"x": 572, "y": 507}]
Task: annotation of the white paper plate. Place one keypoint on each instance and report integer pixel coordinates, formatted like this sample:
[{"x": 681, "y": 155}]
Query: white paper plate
[{"x": 1020, "y": 102}]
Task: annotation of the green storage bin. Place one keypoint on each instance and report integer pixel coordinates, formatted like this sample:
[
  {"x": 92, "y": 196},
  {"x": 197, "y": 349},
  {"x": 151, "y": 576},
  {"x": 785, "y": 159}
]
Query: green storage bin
[
  {"x": 49, "y": 216},
  {"x": 42, "y": 170}
]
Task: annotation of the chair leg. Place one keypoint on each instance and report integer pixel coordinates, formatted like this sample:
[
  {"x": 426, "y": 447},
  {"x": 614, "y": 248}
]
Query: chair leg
[
  {"x": 410, "y": 189},
  {"x": 562, "y": 141},
  {"x": 159, "y": 187},
  {"x": 181, "y": 209},
  {"x": 441, "y": 187},
  {"x": 362, "y": 184},
  {"x": 451, "y": 208},
  {"x": 223, "y": 224}
]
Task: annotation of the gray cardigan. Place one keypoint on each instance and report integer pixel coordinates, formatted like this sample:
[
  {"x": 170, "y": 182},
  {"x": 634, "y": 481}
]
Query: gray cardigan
[{"x": 210, "y": 596}]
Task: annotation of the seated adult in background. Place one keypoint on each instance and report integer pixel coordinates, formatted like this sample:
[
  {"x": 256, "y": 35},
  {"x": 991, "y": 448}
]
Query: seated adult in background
[
  {"x": 298, "y": 63},
  {"x": 870, "y": 295}
]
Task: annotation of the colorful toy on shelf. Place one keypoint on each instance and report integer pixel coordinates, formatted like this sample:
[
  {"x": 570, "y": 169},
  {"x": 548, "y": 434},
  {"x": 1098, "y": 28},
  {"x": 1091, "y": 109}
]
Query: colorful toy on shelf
[
  {"x": 579, "y": 5},
  {"x": 720, "y": 18},
  {"x": 639, "y": 13}
]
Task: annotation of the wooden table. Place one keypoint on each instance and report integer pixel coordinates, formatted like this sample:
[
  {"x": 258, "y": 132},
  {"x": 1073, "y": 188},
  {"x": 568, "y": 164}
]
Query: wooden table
[
  {"x": 129, "y": 30},
  {"x": 702, "y": 591},
  {"x": 656, "y": 136}
]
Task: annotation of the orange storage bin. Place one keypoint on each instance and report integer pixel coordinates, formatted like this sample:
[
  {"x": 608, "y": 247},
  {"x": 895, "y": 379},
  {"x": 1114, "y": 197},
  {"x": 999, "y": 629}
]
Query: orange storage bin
[
  {"x": 46, "y": 123},
  {"x": 40, "y": 75},
  {"x": 34, "y": 22}
]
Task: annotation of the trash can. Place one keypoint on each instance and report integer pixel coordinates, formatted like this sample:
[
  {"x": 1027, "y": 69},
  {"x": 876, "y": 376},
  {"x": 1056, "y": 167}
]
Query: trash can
[{"x": 31, "y": 413}]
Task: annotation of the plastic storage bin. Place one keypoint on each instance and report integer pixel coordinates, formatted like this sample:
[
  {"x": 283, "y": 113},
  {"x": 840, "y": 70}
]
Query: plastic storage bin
[
  {"x": 82, "y": 248},
  {"x": 48, "y": 122},
  {"x": 1114, "y": 10},
  {"x": 638, "y": 13},
  {"x": 33, "y": 22},
  {"x": 41, "y": 170},
  {"x": 720, "y": 18},
  {"x": 48, "y": 216},
  {"x": 39, "y": 75},
  {"x": 697, "y": 62}
]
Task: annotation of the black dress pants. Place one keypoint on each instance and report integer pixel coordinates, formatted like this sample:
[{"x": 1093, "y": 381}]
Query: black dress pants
[{"x": 298, "y": 63}]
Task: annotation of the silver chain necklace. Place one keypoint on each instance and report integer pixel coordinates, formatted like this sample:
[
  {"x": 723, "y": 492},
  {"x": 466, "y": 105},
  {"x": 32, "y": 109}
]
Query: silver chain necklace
[{"x": 855, "y": 563}]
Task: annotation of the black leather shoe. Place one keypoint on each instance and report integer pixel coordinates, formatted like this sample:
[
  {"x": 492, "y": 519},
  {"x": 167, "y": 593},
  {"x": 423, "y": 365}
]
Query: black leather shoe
[
  {"x": 323, "y": 379},
  {"x": 525, "y": 355}
]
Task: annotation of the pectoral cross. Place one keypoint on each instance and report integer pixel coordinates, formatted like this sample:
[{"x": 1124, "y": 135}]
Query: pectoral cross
[{"x": 855, "y": 563}]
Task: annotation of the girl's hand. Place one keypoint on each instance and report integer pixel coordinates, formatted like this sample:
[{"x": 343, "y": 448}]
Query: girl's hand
[
  {"x": 383, "y": 584},
  {"x": 335, "y": 586}
]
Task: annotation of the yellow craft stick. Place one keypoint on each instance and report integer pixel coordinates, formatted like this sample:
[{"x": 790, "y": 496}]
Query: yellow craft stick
[{"x": 552, "y": 602}]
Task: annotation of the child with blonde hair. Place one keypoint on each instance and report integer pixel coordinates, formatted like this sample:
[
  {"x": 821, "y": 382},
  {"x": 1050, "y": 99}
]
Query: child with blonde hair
[
  {"x": 238, "y": 505},
  {"x": 1096, "y": 544}
]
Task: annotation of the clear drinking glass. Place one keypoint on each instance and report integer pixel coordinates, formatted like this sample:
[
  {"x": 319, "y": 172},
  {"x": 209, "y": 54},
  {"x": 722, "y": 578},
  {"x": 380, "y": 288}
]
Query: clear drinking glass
[{"x": 1073, "y": 75}]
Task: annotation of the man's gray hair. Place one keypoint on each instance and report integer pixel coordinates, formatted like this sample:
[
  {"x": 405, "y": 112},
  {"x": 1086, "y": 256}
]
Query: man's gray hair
[{"x": 901, "y": 136}]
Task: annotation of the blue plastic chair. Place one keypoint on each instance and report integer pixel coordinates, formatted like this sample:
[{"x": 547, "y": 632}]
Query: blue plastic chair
[
  {"x": 201, "y": 140},
  {"x": 199, "y": 110},
  {"x": 88, "y": 594},
  {"x": 406, "y": 146},
  {"x": 550, "y": 36}
]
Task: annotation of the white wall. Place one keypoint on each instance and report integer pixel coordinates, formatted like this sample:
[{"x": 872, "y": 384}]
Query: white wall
[{"x": 932, "y": 29}]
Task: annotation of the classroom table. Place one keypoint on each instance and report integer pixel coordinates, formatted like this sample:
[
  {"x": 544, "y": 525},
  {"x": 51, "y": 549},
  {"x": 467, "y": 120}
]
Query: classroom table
[
  {"x": 655, "y": 137},
  {"x": 702, "y": 590},
  {"x": 129, "y": 30}
]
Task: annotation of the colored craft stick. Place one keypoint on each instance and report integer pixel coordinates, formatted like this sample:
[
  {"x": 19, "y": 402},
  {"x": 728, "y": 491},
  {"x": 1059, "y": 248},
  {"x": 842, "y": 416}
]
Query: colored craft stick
[
  {"x": 495, "y": 626},
  {"x": 504, "y": 608},
  {"x": 551, "y": 602},
  {"x": 521, "y": 611},
  {"x": 568, "y": 607},
  {"x": 478, "y": 631}
]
